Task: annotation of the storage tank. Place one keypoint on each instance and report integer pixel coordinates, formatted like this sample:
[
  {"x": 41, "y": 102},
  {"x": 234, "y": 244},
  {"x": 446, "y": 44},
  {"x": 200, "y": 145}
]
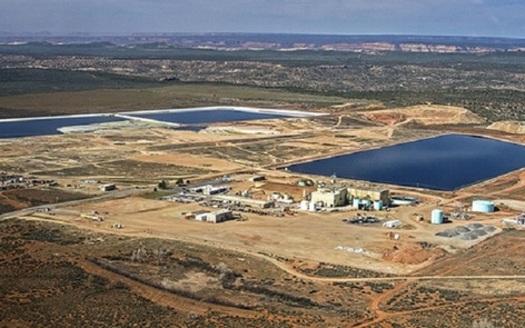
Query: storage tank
[
  {"x": 402, "y": 200},
  {"x": 378, "y": 205},
  {"x": 483, "y": 206},
  {"x": 356, "y": 202},
  {"x": 304, "y": 205},
  {"x": 367, "y": 202},
  {"x": 437, "y": 217},
  {"x": 312, "y": 207}
]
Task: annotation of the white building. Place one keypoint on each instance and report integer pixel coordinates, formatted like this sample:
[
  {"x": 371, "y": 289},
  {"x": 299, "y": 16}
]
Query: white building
[
  {"x": 214, "y": 217},
  {"x": 244, "y": 201},
  {"x": 329, "y": 197},
  {"x": 210, "y": 189},
  {"x": 392, "y": 224},
  {"x": 108, "y": 187}
]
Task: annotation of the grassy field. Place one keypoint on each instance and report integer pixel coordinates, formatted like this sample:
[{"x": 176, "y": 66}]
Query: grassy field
[
  {"x": 129, "y": 168},
  {"x": 29, "y": 80},
  {"x": 174, "y": 96}
]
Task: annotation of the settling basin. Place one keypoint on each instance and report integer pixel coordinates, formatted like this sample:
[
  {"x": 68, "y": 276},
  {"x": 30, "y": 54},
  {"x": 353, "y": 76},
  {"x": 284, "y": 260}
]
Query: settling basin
[
  {"x": 40, "y": 126},
  {"x": 171, "y": 118},
  {"x": 446, "y": 162},
  {"x": 217, "y": 114}
]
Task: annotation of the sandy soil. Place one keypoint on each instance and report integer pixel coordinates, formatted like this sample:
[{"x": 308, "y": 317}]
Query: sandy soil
[
  {"x": 426, "y": 115},
  {"x": 188, "y": 160},
  {"x": 305, "y": 236}
]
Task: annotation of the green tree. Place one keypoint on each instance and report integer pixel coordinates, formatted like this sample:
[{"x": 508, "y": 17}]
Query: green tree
[{"x": 163, "y": 185}]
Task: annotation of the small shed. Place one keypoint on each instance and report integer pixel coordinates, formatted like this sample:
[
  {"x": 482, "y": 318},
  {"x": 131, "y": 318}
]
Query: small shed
[
  {"x": 108, "y": 187},
  {"x": 257, "y": 178},
  {"x": 392, "y": 224},
  {"x": 214, "y": 217}
]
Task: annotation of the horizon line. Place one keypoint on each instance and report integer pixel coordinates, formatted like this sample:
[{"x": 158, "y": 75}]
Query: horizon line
[{"x": 131, "y": 34}]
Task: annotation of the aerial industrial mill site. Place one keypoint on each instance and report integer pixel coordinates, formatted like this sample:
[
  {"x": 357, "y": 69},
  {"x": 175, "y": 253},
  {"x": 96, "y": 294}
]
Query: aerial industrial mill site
[{"x": 206, "y": 198}]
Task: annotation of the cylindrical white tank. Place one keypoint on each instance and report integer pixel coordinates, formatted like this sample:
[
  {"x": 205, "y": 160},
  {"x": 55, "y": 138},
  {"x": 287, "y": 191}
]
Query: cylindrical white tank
[
  {"x": 356, "y": 202},
  {"x": 312, "y": 207},
  {"x": 378, "y": 205},
  {"x": 399, "y": 201},
  {"x": 437, "y": 216},
  {"x": 483, "y": 206},
  {"x": 304, "y": 205}
]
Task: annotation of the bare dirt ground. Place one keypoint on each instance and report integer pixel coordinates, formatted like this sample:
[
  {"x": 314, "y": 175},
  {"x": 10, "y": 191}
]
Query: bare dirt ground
[
  {"x": 426, "y": 115},
  {"x": 104, "y": 270},
  {"x": 197, "y": 284},
  {"x": 303, "y": 236}
]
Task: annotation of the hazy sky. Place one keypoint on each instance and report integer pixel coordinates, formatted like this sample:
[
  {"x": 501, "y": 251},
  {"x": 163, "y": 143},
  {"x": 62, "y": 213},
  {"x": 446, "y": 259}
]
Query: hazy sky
[{"x": 436, "y": 17}]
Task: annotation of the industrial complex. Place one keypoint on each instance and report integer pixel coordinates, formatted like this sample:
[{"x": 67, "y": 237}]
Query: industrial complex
[
  {"x": 237, "y": 194},
  {"x": 236, "y": 176},
  {"x": 262, "y": 180}
]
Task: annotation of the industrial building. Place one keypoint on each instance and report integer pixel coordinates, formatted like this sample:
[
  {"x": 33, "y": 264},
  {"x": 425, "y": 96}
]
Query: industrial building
[
  {"x": 483, "y": 206},
  {"x": 281, "y": 198},
  {"x": 244, "y": 201},
  {"x": 333, "y": 197},
  {"x": 330, "y": 197},
  {"x": 210, "y": 189},
  {"x": 214, "y": 217},
  {"x": 374, "y": 195}
]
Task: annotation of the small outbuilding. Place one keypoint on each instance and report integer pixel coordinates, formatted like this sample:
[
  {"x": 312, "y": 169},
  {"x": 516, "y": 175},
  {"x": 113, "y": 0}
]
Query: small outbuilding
[
  {"x": 214, "y": 217},
  {"x": 392, "y": 224},
  {"x": 108, "y": 187},
  {"x": 257, "y": 178}
]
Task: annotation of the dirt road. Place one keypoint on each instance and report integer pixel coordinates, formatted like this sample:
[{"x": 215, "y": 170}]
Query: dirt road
[{"x": 106, "y": 196}]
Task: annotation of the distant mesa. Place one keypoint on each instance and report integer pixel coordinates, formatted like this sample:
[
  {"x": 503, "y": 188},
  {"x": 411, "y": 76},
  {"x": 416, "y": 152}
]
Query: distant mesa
[{"x": 284, "y": 42}]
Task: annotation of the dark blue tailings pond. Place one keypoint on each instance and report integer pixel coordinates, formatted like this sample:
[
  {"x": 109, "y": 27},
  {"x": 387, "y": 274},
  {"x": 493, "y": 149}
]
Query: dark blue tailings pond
[
  {"x": 195, "y": 118},
  {"x": 443, "y": 163},
  {"x": 208, "y": 116},
  {"x": 47, "y": 126}
]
